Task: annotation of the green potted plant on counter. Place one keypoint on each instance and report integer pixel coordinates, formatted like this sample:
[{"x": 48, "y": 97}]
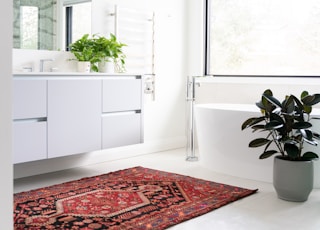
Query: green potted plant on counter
[
  {"x": 84, "y": 52},
  {"x": 287, "y": 126},
  {"x": 110, "y": 53}
]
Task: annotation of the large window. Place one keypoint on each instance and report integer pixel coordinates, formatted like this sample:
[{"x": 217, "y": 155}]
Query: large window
[{"x": 263, "y": 37}]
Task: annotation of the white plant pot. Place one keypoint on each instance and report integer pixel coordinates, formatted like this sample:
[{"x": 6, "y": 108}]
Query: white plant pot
[
  {"x": 106, "y": 67},
  {"x": 293, "y": 180},
  {"x": 83, "y": 66}
]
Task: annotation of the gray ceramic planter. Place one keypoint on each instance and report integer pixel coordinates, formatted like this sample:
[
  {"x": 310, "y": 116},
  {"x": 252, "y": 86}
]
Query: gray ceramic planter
[{"x": 292, "y": 180}]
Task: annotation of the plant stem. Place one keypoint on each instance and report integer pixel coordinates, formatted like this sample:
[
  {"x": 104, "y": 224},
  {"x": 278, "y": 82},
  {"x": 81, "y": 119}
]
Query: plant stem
[{"x": 274, "y": 136}]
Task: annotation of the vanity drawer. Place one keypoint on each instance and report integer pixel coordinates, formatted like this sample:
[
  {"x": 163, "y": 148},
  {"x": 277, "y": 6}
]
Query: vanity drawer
[
  {"x": 120, "y": 129},
  {"x": 29, "y": 141},
  {"x": 121, "y": 94},
  {"x": 29, "y": 98}
]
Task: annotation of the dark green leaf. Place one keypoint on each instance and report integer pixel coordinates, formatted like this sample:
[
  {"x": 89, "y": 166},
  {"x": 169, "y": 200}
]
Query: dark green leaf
[
  {"x": 267, "y": 146},
  {"x": 311, "y": 99},
  {"x": 310, "y": 155},
  {"x": 288, "y": 105},
  {"x": 273, "y": 100},
  {"x": 251, "y": 121},
  {"x": 260, "y": 105},
  {"x": 307, "y": 99},
  {"x": 276, "y": 117},
  {"x": 267, "y": 154},
  {"x": 316, "y": 99},
  {"x": 292, "y": 150},
  {"x": 304, "y": 94},
  {"x": 268, "y": 92},
  {"x": 301, "y": 125},
  {"x": 273, "y": 125},
  {"x": 258, "y": 142},
  {"x": 298, "y": 102},
  {"x": 257, "y": 127}
]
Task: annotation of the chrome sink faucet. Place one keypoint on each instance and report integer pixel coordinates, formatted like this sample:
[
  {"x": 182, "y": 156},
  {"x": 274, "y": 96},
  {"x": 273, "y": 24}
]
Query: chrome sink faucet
[{"x": 42, "y": 61}]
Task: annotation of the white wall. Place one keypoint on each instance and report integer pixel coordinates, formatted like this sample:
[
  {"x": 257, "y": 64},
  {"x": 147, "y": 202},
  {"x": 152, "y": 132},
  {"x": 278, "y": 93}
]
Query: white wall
[
  {"x": 195, "y": 37},
  {"x": 5, "y": 117},
  {"x": 164, "y": 126}
]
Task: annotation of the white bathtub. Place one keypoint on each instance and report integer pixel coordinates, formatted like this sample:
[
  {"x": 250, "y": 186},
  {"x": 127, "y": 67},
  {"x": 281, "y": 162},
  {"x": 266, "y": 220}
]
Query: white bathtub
[{"x": 223, "y": 146}]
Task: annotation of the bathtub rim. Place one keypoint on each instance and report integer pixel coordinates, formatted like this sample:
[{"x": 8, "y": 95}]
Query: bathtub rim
[{"x": 245, "y": 107}]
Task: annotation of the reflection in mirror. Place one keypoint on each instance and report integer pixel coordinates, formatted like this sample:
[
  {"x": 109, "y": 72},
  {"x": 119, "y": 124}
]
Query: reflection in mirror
[
  {"x": 50, "y": 24},
  {"x": 35, "y": 24},
  {"x": 29, "y": 27},
  {"x": 77, "y": 19}
]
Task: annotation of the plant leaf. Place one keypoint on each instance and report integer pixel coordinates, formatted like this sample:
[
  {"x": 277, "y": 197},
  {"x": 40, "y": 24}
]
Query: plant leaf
[
  {"x": 273, "y": 100},
  {"x": 310, "y": 155},
  {"x": 292, "y": 150},
  {"x": 288, "y": 105},
  {"x": 311, "y": 99},
  {"x": 273, "y": 125},
  {"x": 276, "y": 117},
  {"x": 251, "y": 121},
  {"x": 307, "y": 109},
  {"x": 267, "y": 146},
  {"x": 258, "y": 142},
  {"x": 301, "y": 125},
  {"x": 260, "y": 105},
  {"x": 316, "y": 99},
  {"x": 268, "y": 92},
  {"x": 267, "y": 154},
  {"x": 258, "y": 127},
  {"x": 304, "y": 94},
  {"x": 298, "y": 102},
  {"x": 307, "y": 134}
]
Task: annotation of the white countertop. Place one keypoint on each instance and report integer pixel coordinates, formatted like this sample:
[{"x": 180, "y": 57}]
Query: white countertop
[{"x": 70, "y": 74}]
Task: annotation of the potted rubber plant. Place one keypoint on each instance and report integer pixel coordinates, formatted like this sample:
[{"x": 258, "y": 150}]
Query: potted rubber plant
[
  {"x": 287, "y": 128},
  {"x": 85, "y": 53},
  {"x": 110, "y": 53}
]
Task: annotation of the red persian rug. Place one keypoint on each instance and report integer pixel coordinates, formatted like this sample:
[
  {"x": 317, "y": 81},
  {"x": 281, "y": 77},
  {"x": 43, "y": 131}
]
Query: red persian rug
[{"x": 134, "y": 198}]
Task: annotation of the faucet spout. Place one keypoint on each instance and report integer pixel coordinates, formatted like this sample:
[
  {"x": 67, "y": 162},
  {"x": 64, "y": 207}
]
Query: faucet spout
[{"x": 42, "y": 61}]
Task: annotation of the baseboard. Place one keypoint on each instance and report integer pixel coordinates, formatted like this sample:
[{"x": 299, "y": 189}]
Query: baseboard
[{"x": 63, "y": 163}]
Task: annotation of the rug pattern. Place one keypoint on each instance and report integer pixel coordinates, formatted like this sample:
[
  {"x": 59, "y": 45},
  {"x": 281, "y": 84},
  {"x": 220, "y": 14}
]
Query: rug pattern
[{"x": 134, "y": 198}]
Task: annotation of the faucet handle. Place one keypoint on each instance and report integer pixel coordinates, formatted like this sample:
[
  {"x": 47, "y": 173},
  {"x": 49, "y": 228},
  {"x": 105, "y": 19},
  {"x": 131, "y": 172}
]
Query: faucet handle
[
  {"x": 42, "y": 63},
  {"x": 27, "y": 69}
]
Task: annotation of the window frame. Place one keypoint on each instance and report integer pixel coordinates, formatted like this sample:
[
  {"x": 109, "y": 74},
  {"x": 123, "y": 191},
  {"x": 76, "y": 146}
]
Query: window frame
[{"x": 206, "y": 53}]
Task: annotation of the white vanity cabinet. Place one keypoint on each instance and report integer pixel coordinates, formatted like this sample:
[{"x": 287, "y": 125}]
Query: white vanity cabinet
[
  {"x": 74, "y": 116},
  {"x": 61, "y": 115},
  {"x": 29, "y": 120},
  {"x": 122, "y": 111}
]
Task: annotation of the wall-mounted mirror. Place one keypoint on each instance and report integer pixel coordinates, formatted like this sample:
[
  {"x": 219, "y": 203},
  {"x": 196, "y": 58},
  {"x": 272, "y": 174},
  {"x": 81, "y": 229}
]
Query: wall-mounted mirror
[
  {"x": 76, "y": 20},
  {"x": 49, "y": 24}
]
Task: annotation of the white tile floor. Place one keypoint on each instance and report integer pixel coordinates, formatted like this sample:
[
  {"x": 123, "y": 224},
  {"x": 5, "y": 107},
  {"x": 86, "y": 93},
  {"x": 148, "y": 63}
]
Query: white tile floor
[{"x": 260, "y": 211}]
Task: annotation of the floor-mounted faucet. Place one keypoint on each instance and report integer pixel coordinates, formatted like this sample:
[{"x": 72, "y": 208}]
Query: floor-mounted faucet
[{"x": 42, "y": 61}]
